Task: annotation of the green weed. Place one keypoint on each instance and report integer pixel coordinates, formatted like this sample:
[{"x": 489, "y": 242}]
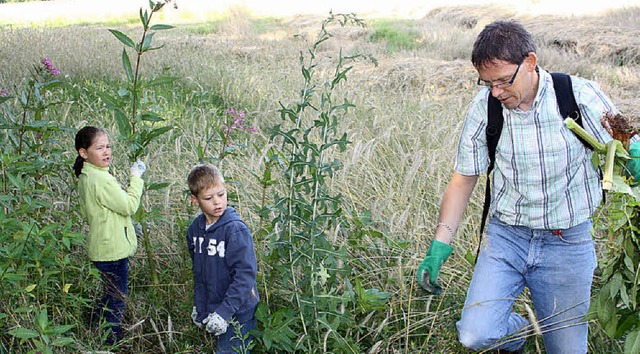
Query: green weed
[{"x": 397, "y": 35}]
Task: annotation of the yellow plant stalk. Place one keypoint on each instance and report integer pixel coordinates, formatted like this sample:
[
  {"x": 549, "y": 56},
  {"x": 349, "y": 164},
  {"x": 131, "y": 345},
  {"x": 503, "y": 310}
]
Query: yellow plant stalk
[
  {"x": 607, "y": 178},
  {"x": 578, "y": 130},
  {"x": 613, "y": 150}
]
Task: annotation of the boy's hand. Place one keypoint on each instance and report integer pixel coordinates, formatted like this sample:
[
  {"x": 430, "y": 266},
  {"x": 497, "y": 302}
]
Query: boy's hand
[
  {"x": 138, "y": 168},
  {"x": 194, "y": 316},
  {"x": 215, "y": 324},
  {"x": 428, "y": 271}
]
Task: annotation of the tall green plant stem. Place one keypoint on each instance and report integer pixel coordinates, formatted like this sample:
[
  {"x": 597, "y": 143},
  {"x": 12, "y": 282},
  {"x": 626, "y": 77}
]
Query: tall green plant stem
[
  {"x": 577, "y": 129},
  {"x": 24, "y": 121},
  {"x": 607, "y": 178},
  {"x": 139, "y": 50},
  {"x": 150, "y": 259}
]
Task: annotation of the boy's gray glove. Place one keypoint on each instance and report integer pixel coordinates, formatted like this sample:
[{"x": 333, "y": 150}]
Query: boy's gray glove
[
  {"x": 194, "y": 316},
  {"x": 138, "y": 168},
  {"x": 215, "y": 324}
]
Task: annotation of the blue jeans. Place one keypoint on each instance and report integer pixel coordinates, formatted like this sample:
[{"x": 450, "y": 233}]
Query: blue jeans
[
  {"x": 556, "y": 265},
  {"x": 115, "y": 278},
  {"x": 229, "y": 340}
]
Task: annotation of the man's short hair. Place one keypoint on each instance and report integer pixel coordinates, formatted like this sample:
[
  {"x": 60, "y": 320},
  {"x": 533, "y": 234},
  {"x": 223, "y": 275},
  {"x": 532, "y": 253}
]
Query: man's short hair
[
  {"x": 502, "y": 40},
  {"x": 204, "y": 176}
]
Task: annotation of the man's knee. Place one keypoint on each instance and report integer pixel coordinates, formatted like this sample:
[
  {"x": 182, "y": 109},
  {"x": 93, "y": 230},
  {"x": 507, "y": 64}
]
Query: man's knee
[{"x": 473, "y": 339}]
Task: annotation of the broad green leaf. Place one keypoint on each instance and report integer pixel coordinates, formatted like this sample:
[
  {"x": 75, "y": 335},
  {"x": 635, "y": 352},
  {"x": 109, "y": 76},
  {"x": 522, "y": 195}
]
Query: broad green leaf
[
  {"x": 126, "y": 64},
  {"x": 123, "y": 38},
  {"x": 162, "y": 80},
  {"x": 62, "y": 341},
  {"x": 124, "y": 92},
  {"x": 150, "y": 117},
  {"x": 155, "y": 133},
  {"x": 4, "y": 99},
  {"x": 109, "y": 101},
  {"x": 621, "y": 186},
  {"x": 30, "y": 288},
  {"x": 470, "y": 257},
  {"x": 23, "y": 333},
  {"x": 147, "y": 41},
  {"x": 627, "y": 323},
  {"x": 632, "y": 342},
  {"x": 57, "y": 330},
  {"x": 610, "y": 326},
  {"x": 624, "y": 296},
  {"x": 160, "y": 27},
  {"x": 42, "y": 320},
  {"x": 144, "y": 19},
  {"x": 629, "y": 263},
  {"x": 123, "y": 123},
  {"x": 157, "y": 186},
  {"x": 154, "y": 48}
]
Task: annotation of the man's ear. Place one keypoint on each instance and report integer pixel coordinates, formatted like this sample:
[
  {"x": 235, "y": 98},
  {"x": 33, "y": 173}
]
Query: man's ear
[
  {"x": 194, "y": 200},
  {"x": 531, "y": 61}
]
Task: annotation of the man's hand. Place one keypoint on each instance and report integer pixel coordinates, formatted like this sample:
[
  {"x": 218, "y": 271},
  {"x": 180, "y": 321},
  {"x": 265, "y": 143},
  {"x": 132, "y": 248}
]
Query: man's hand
[
  {"x": 216, "y": 324},
  {"x": 428, "y": 271},
  {"x": 194, "y": 316}
]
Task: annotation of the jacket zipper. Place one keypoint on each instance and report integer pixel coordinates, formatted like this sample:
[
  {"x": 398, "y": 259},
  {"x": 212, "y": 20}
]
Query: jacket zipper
[{"x": 126, "y": 236}]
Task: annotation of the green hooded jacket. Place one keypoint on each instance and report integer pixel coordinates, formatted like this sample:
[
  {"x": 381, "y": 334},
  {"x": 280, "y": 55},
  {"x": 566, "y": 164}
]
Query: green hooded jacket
[{"x": 107, "y": 208}]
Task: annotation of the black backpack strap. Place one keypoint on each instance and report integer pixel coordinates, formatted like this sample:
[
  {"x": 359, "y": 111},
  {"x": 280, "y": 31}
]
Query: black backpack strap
[
  {"x": 567, "y": 101},
  {"x": 569, "y": 108},
  {"x": 494, "y": 129}
]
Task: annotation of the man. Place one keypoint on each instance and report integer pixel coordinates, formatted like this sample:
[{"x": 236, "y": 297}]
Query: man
[{"x": 545, "y": 189}]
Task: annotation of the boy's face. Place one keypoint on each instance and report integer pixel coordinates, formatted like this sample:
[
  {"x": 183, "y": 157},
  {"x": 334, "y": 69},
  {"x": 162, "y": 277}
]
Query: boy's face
[{"x": 212, "y": 201}]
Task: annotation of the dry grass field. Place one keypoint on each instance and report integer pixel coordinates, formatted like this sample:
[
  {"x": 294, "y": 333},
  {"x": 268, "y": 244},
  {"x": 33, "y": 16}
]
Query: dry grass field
[{"x": 403, "y": 130}]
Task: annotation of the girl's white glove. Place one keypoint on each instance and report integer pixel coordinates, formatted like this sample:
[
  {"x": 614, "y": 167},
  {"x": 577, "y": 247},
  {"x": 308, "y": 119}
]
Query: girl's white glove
[
  {"x": 194, "y": 316},
  {"x": 137, "y": 168},
  {"x": 215, "y": 324}
]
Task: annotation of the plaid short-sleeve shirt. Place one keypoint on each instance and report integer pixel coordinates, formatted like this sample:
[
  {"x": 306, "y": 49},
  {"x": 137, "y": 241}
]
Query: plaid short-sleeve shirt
[{"x": 543, "y": 176}]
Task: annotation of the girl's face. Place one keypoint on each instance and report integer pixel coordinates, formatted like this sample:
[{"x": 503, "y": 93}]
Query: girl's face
[{"x": 99, "y": 153}]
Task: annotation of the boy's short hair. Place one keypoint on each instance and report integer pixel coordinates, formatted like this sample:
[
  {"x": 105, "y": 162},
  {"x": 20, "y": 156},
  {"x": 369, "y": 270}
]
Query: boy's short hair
[{"x": 204, "y": 176}]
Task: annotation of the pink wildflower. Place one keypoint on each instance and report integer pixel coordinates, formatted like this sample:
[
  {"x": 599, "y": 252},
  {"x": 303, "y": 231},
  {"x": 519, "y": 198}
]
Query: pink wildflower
[
  {"x": 239, "y": 121},
  {"x": 49, "y": 67}
]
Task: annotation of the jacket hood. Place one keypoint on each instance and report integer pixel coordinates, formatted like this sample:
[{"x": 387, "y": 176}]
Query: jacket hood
[{"x": 228, "y": 216}]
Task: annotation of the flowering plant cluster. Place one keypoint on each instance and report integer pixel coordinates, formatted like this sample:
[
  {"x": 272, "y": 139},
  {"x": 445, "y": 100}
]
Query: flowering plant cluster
[
  {"x": 235, "y": 124},
  {"x": 49, "y": 68},
  {"x": 237, "y": 120}
]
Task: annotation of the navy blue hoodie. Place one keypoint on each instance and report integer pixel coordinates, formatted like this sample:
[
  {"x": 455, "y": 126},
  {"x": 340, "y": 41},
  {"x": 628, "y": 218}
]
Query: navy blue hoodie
[{"x": 224, "y": 267}]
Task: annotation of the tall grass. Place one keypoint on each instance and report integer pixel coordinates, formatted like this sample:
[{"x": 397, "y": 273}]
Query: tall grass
[{"x": 403, "y": 130}]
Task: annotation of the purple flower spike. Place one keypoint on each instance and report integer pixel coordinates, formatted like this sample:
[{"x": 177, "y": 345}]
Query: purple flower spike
[
  {"x": 49, "y": 67},
  {"x": 4, "y": 93}
]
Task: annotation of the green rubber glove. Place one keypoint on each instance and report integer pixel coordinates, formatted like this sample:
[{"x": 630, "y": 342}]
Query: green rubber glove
[
  {"x": 428, "y": 270},
  {"x": 633, "y": 166}
]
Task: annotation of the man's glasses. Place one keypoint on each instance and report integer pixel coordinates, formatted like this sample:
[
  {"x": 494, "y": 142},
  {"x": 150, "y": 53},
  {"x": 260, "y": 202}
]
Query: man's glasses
[{"x": 500, "y": 85}]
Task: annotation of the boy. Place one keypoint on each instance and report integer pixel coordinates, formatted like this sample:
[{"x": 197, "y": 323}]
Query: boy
[{"x": 224, "y": 263}]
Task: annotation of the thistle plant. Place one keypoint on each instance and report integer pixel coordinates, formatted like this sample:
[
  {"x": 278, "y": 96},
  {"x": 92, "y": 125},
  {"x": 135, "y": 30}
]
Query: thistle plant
[{"x": 139, "y": 124}]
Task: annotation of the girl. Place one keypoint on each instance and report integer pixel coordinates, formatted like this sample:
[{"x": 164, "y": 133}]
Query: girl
[{"x": 108, "y": 210}]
